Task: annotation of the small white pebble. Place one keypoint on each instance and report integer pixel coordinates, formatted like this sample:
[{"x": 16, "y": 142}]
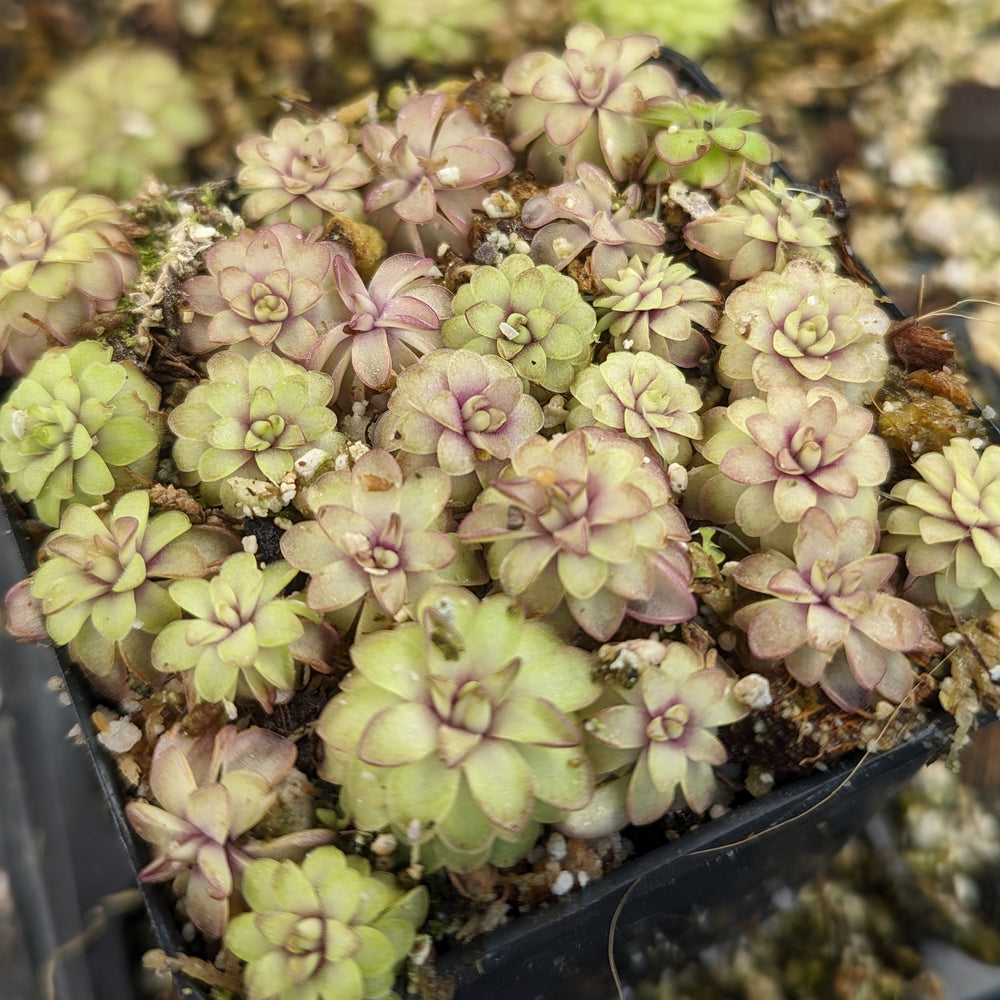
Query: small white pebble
[
  {"x": 726, "y": 641},
  {"x": 582, "y": 878},
  {"x": 995, "y": 674},
  {"x": 978, "y": 443},
  {"x": 562, "y": 248},
  {"x": 384, "y": 844},
  {"x": 952, "y": 639},
  {"x": 988, "y": 413},
  {"x": 754, "y": 691},
  {"x": 421, "y": 949},
  {"x": 500, "y": 205},
  {"x": 677, "y": 476},
  {"x": 19, "y": 423},
  {"x": 307, "y": 464},
  {"x": 555, "y": 846},
  {"x": 563, "y": 883},
  {"x": 198, "y": 231},
  {"x": 120, "y": 736},
  {"x": 249, "y": 543}
]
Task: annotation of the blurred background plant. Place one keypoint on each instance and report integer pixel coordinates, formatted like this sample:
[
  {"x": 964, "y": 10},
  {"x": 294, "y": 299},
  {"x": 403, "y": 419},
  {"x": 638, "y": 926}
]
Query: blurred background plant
[{"x": 893, "y": 95}]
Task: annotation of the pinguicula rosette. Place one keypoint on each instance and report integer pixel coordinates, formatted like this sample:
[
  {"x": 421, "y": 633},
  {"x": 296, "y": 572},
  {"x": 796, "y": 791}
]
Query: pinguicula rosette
[
  {"x": 328, "y": 927},
  {"x": 242, "y": 635},
  {"x": 644, "y": 396},
  {"x": 457, "y": 730},
  {"x": 269, "y": 288},
  {"x": 948, "y": 524},
  {"x": 705, "y": 144},
  {"x": 586, "y": 107},
  {"x": 251, "y": 419},
  {"x": 586, "y": 520},
  {"x": 802, "y": 326},
  {"x": 388, "y": 323},
  {"x": 762, "y": 230},
  {"x": 659, "y": 306},
  {"x": 61, "y": 262},
  {"x": 121, "y": 114},
  {"x": 102, "y": 582},
  {"x": 829, "y": 618},
  {"x": 768, "y": 461},
  {"x": 590, "y": 213},
  {"x": 656, "y": 739},
  {"x": 376, "y": 542},
  {"x": 78, "y": 428},
  {"x": 431, "y": 170},
  {"x": 529, "y": 315},
  {"x": 467, "y": 410},
  {"x": 302, "y": 174},
  {"x": 489, "y": 469}
]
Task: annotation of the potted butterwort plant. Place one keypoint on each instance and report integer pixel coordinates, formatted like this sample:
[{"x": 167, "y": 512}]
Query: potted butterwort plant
[{"x": 470, "y": 523}]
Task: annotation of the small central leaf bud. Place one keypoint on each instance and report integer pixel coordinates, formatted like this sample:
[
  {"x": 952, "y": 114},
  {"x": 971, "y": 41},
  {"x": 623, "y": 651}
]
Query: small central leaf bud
[
  {"x": 305, "y": 936},
  {"x": 473, "y": 710},
  {"x": 670, "y": 725},
  {"x": 263, "y": 433},
  {"x": 268, "y": 307}
]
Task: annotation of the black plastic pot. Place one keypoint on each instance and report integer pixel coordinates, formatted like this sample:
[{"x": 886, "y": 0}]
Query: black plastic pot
[
  {"x": 65, "y": 862},
  {"x": 690, "y": 892}
]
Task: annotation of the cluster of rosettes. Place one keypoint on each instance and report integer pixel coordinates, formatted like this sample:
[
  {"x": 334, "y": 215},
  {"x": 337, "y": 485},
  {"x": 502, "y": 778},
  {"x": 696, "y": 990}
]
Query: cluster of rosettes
[
  {"x": 210, "y": 794},
  {"x": 471, "y": 476}
]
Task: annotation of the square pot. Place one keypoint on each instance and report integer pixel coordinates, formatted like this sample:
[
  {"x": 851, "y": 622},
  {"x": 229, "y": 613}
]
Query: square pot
[{"x": 689, "y": 892}]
